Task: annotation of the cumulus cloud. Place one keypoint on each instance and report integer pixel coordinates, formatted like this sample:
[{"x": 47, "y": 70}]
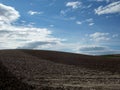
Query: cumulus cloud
[
  {"x": 12, "y": 36},
  {"x": 20, "y": 36},
  {"x": 74, "y": 5},
  {"x": 98, "y": 36},
  {"x": 113, "y": 7},
  {"x": 34, "y": 12},
  {"x": 8, "y": 14}
]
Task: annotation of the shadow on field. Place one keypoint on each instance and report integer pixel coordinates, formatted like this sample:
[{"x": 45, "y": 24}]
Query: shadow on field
[{"x": 9, "y": 82}]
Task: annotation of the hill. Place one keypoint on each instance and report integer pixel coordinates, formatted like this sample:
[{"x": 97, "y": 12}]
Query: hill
[
  {"x": 52, "y": 70},
  {"x": 104, "y": 62}
]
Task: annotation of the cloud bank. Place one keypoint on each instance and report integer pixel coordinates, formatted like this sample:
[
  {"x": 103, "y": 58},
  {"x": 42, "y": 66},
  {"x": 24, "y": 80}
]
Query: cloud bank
[
  {"x": 12, "y": 36},
  {"x": 97, "y": 50}
]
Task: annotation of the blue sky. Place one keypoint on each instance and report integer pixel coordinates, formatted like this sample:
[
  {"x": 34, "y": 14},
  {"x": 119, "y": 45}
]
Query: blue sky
[{"x": 79, "y": 26}]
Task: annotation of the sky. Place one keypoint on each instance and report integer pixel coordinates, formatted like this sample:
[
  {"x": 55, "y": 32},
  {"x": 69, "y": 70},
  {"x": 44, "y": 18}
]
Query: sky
[{"x": 80, "y": 26}]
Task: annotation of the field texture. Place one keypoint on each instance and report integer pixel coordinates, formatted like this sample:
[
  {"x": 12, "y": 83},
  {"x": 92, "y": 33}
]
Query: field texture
[{"x": 50, "y": 70}]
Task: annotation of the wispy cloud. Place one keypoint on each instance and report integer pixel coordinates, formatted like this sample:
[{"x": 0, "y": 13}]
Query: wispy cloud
[
  {"x": 74, "y": 5},
  {"x": 34, "y": 12},
  {"x": 90, "y": 21},
  {"x": 52, "y": 3},
  {"x": 78, "y": 22},
  {"x": 89, "y": 6},
  {"x": 91, "y": 24},
  {"x": 113, "y": 7},
  {"x": 64, "y": 12},
  {"x": 115, "y": 35},
  {"x": 98, "y": 36},
  {"x": 102, "y": 0},
  {"x": 51, "y": 25}
]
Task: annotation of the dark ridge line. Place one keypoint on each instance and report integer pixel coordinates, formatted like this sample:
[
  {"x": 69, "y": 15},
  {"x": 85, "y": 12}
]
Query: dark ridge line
[
  {"x": 114, "y": 55},
  {"x": 46, "y": 51}
]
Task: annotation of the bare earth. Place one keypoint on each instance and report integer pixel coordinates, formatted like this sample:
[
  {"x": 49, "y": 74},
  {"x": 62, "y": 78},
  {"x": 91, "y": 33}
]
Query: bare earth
[{"x": 50, "y": 70}]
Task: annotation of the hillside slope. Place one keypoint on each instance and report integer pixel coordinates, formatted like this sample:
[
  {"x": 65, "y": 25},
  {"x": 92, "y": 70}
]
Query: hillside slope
[
  {"x": 46, "y": 70},
  {"x": 107, "y": 62}
]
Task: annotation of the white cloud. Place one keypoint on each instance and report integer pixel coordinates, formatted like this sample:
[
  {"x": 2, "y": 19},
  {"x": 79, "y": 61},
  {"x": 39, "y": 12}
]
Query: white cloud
[
  {"x": 89, "y": 20},
  {"x": 78, "y": 22},
  {"x": 91, "y": 24},
  {"x": 34, "y": 12},
  {"x": 8, "y": 14},
  {"x": 12, "y": 36},
  {"x": 20, "y": 36},
  {"x": 113, "y": 7},
  {"x": 102, "y": 0},
  {"x": 98, "y": 36},
  {"x": 74, "y": 5}
]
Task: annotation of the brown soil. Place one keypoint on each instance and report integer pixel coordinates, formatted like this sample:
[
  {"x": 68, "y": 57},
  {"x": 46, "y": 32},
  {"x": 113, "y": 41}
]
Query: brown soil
[{"x": 50, "y": 70}]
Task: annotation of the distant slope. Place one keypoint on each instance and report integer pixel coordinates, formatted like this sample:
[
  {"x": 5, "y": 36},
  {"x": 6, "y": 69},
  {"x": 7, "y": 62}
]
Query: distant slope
[
  {"x": 107, "y": 62},
  {"x": 112, "y": 55}
]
